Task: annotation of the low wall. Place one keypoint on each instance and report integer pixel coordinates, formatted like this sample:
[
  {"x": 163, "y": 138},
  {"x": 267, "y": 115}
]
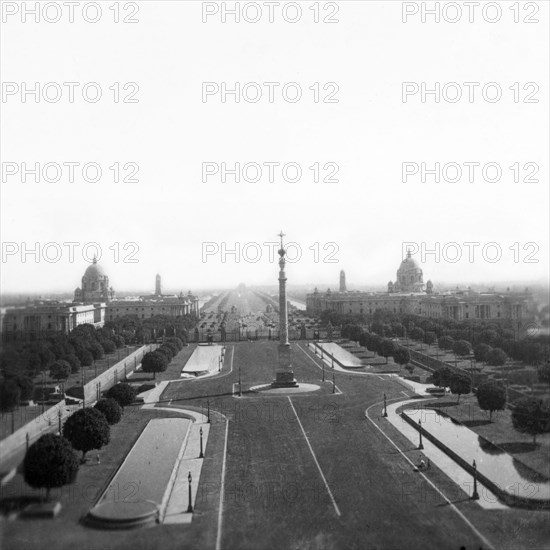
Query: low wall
[
  {"x": 48, "y": 421},
  {"x": 507, "y": 498},
  {"x": 117, "y": 373}
]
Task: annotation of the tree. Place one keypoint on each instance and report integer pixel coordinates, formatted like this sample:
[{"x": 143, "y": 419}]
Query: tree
[
  {"x": 378, "y": 328},
  {"x": 375, "y": 343},
  {"x": 387, "y": 348},
  {"x": 166, "y": 351},
  {"x": 110, "y": 409},
  {"x": 496, "y": 357},
  {"x": 491, "y": 396},
  {"x": 154, "y": 362},
  {"x": 544, "y": 373},
  {"x": 442, "y": 377},
  {"x": 97, "y": 351},
  {"x": 401, "y": 356},
  {"x": 446, "y": 342},
  {"x": 177, "y": 341},
  {"x": 429, "y": 337},
  {"x": 26, "y": 387},
  {"x": 119, "y": 341},
  {"x": 74, "y": 361},
  {"x": 462, "y": 347},
  {"x": 482, "y": 351},
  {"x": 50, "y": 462},
  {"x": 86, "y": 358},
  {"x": 355, "y": 333},
  {"x": 364, "y": 340},
  {"x": 416, "y": 333},
  {"x": 60, "y": 370},
  {"x": 531, "y": 416},
  {"x": 108, "y": 345},
  {"x": 122, "y": 393},
  {"x": 87, "y": 429},
  {"x": 10, "y": 393},
  {"x": 460, "y": 384}
]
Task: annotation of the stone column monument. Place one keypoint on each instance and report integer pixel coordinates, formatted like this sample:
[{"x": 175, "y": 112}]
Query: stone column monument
[{"x": 284, "y": 376}]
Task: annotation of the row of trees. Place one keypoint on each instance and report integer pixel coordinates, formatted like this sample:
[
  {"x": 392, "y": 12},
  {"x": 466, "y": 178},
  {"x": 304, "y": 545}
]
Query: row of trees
[
  {"x": 533, "y": 350},
  {"x": 52, "y": 461}
]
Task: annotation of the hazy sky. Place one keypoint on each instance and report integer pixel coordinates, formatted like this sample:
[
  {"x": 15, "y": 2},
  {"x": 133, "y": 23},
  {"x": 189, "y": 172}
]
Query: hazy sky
[{"x": 170, "y": 212}]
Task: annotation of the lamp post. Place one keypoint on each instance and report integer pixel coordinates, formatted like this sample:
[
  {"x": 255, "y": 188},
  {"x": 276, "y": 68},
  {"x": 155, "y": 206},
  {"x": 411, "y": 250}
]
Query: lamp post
[
  {"x": 323, "y": 371},
  {"x": 190, "y": 507},
  {"x": 240, "y": 383},
  {"x": 475, "y": 494},
  {"x": 43, "y": 394},
  {"x": 385, "y": 414},
  {"x": 201, "y": 454},
  {"x": 420, "y": 445},
  {"x": 333, "y": 383},
  {"x": 208, "y": 410},
  {"x": 83, "y": 388}
]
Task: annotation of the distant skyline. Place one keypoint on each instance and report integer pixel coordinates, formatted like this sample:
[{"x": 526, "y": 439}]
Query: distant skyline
[{"x": 128, "y": 278}]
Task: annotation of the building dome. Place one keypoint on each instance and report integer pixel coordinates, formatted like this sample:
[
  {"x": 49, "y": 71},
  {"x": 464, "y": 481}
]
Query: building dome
[
  {"x": 409, "y": 276},
  {"x": 95, "y": 285},
  {"x": 94, "y": 270},
  {"x": 409, "y": 262}
]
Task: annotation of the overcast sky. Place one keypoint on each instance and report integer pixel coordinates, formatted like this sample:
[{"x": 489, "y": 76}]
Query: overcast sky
[{"x": 368, "y": 213}]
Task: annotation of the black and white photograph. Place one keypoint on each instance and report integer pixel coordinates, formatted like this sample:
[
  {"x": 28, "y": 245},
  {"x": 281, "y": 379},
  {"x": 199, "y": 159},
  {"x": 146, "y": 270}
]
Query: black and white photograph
[{"x": 275, "y": 275}]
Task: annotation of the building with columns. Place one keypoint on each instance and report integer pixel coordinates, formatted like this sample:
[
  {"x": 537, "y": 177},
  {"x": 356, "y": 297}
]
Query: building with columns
[
  {"x": 43, "y": 318},
  {"x": 94, "y": 303},
  {"x": 173, "y": 305},
  {"x": 409, "y": 295}
]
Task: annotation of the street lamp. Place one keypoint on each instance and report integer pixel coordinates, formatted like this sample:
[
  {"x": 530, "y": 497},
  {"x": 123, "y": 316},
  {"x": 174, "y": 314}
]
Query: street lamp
[
  {"x": 208, "y": 410},
  {"x": 190, "y": 507},
  {"x": 240, "y": 383},
  {"x": 333, "y": 384},
  {"x": 385, "y": 414},
  {"x": 420, "y": 445},
  {"x": 201, "y": 454},
  {"x": 83, "y": 388},
  {"x": 475, "y": 494}
]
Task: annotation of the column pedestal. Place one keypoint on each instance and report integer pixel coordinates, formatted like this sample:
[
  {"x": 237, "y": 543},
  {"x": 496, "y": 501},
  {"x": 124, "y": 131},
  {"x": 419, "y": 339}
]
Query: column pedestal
[{"x": 284, "y": 376}]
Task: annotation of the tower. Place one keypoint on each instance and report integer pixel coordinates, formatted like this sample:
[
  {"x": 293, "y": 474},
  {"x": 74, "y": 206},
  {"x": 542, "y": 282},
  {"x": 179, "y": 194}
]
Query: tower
[
  {"x": 158, "y": 288},
  {"x": 284, "y": 377},
  {"x": 343, "y": 281}
]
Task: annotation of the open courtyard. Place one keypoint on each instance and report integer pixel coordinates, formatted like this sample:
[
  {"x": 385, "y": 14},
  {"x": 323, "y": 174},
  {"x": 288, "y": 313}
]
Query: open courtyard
[{"x": 289, "y": 470}]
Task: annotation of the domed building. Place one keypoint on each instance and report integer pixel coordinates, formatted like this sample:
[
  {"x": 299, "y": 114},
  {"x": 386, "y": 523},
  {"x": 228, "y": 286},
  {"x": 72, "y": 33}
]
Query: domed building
[
  {"x": 409, "y": 295},
  {"x": 95, "y": 286},
  {"x": 409, "y": 276}
]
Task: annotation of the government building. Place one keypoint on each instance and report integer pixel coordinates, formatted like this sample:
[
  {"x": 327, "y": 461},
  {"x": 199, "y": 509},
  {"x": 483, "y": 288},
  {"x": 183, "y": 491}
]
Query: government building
[
  {"x": 94, "y": 303},
  {"x": 409, "y": 295}
]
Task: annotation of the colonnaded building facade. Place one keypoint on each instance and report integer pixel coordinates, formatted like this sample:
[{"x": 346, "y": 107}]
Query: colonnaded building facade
[
  {"x": 94, "y": 303},
  {"x": 409, "y": 294}
]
